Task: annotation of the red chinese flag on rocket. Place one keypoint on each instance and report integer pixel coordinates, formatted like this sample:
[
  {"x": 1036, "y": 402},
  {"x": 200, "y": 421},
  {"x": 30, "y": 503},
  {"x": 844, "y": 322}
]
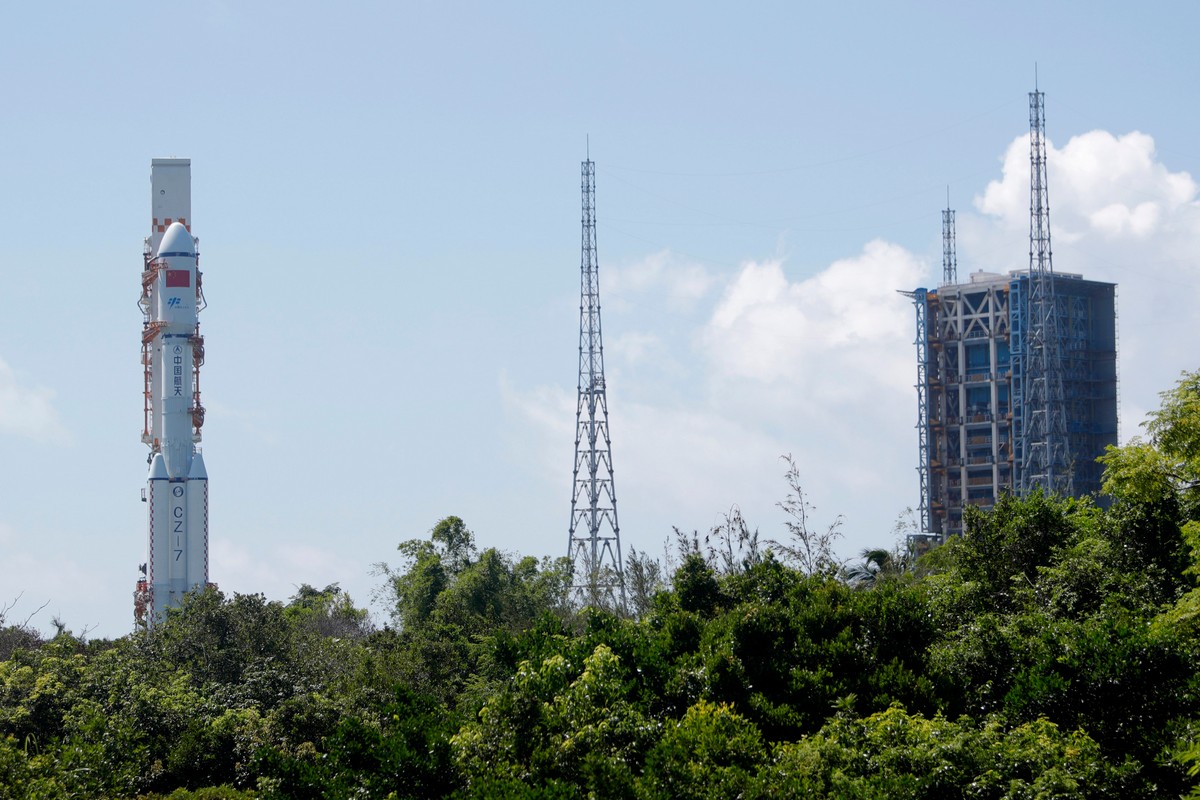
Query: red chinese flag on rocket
[{"x": 178, "y": 278}]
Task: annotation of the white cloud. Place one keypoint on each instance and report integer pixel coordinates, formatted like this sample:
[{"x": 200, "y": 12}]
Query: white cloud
[
  {"x": 543, "y": 422},
  {"x": 28, "y": 410},
  {"x": 821, "y": 368},
  {"x": 834, "y": 337},
  {"x": 690, "y": 462},
  {"x": 679, "y": 282},
  {"x": 636, "y": 347},
  {"x": 1117, "y": 214},
  {"x": 1097, "y": 184}
]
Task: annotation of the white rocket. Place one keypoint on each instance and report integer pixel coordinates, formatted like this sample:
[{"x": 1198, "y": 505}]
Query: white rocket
[{"x": 172, "y": 352}]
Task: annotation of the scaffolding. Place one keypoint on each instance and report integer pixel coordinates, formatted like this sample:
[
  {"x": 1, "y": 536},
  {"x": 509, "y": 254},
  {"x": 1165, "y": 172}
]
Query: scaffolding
[{"x": 920, "y": 303}]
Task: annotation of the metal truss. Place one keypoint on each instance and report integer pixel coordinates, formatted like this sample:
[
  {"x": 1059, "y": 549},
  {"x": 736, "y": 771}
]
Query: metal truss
[
  {"x": 1042, "y": 428},
  {"x": 594, "y": 543}
]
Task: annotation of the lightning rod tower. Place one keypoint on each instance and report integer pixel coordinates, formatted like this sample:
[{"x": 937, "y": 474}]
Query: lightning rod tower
[
  {"x": 1041, "y": 440},
  {"x": 594, "y": 540},
  {"x": 949, "y": 251}
]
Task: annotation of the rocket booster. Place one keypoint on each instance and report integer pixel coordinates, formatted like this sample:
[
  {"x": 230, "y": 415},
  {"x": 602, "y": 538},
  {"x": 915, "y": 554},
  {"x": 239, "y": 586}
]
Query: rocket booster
[{"x": 172, "y": 352}]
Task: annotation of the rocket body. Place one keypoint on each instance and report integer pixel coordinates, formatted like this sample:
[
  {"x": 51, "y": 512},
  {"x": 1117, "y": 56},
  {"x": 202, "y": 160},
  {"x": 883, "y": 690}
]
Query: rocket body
[
  {"x": 176, "y": 315},
  {"x": 172, "y": 351}
]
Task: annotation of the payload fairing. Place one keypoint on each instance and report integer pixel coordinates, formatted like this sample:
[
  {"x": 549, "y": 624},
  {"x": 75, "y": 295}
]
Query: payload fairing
[{"x": 172, "y": 353}]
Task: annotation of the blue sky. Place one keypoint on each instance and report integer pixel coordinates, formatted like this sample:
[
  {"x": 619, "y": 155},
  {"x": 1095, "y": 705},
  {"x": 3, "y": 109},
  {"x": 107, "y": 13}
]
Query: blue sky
[{"x": 387, "y": 200}]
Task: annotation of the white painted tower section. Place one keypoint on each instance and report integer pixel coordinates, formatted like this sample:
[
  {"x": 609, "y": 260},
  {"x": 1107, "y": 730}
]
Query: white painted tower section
[{"x": 172, "y": 352}]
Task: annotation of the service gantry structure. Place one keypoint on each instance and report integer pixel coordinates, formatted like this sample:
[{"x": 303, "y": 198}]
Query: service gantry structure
[{"x": 1016, "y": 375}]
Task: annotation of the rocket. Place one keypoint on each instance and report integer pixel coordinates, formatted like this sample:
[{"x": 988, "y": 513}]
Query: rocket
[{"x": 172, "y": 353}]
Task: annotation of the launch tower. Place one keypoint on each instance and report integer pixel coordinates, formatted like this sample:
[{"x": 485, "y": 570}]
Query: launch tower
[
  {"x": 172, "y": 354},
  {"x": 1017, "y": 374},
  {"x": 594, "y": 540}
]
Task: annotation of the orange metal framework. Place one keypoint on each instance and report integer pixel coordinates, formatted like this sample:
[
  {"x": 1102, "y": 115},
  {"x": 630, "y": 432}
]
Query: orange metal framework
[
  {"x": 141, "y": 601},
  {"x": 197, "y": 343}
]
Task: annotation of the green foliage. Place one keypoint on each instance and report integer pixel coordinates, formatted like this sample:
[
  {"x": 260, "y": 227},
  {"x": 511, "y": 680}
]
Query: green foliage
[
  {"x": 1156, "y": 482},
  {"x": 17, "y": 637},
  {"x": 240, "y": 645},
  {"x": 1045, "y": 612},
  {"x": 328, "y": 612},
  {"x": 562, "y": 721},
  {"x": 451, "y": 603},
  {"x": 1169, "y": 463},
  {"x": 455, "y": 542},
  {"x": 207, "y": 793},
  {"x": 899, "y": 755},
  {"x": 403, "y": 752},
  {"x": 696, "y": 586},
  {"x": 877, "y": 565},
  {"x": 710, "y": 753}
]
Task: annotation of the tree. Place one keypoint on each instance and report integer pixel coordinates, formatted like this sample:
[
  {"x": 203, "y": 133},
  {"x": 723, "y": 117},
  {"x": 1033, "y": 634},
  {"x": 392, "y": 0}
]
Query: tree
[
  {"x": 432, "y": 566},
  {"x": 562, "y": 721},
  {"x": 696, "y": 586},
  {"x": 401, "y": 752},
  {"x": 1168, "y": 463},
  {"x": 328, "y": 612},
  {"x": 1156, "y": 481},
  {"x": 643, "y": 580},
  {"x": 711, "y": 753},
  {"x": 876, "y": 565},
  {"x": 456, "y": 541},
  {"x": 905, "y": 756},
  {"x": 18, "y": 636},
  {"x": 810, "y": 549}
]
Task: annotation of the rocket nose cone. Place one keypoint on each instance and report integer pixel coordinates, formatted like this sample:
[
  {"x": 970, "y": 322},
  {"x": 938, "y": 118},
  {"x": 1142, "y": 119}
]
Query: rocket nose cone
[{"x": 177, "y": 242}]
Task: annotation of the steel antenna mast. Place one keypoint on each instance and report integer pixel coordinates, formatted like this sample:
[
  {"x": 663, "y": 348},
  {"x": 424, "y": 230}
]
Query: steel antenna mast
[
  {"x": 1042, "y": 440},
  {"x": 594, "y": 543},
  {"x": 949, "y": 249}
]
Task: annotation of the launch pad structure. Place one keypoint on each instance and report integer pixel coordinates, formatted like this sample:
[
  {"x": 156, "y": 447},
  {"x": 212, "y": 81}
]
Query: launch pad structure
[{"x": 1016, "y": 375}]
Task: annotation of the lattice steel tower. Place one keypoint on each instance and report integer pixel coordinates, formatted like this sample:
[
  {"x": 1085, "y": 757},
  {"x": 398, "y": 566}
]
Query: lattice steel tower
[
  {"x": 594, "y": 543},
  {"x": 949, "y": 249},
  {"x": 1041, "y": 426}
]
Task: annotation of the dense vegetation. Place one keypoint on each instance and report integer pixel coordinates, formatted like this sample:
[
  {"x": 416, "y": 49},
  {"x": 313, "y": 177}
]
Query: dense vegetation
[{"x": 1050, "y": 652}]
